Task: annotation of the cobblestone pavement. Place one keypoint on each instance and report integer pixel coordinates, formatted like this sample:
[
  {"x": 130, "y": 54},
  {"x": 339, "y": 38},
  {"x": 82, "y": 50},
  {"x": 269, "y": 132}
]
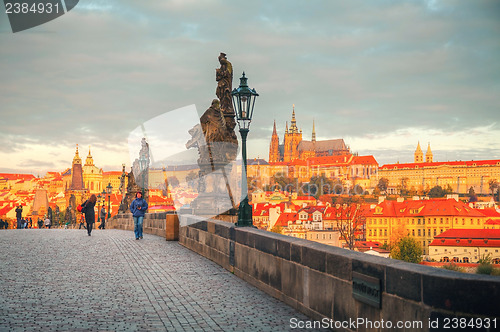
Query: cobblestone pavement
[{"x": 64, "y": 280}]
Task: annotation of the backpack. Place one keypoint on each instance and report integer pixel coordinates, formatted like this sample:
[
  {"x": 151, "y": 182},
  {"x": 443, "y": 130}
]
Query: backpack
[{"x": 82, "y": 208}]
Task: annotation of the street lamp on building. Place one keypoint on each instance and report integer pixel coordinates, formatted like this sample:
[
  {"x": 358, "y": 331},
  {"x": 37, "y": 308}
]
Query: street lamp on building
[
  {"x": 244, "y": 101},
  {"x": 109, "y": 188}
]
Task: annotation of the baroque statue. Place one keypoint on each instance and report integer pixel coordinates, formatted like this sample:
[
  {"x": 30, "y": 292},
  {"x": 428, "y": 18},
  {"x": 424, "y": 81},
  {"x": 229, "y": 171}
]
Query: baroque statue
[{"x": 217, "y": 144}]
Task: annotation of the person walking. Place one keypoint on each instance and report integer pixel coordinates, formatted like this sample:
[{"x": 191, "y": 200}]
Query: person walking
[
  {"x": 138, "y": 209},
  {"x": 103, "y": 217},
  {"x": 19, "y": 216},
  {"x": 88, "y": 209},
  {"x": 48, "y": 223}
]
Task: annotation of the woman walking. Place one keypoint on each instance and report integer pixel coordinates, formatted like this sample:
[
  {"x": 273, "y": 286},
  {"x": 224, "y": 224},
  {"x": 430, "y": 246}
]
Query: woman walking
[
  {"x": 138, "y": 209},
  {"x": 88, "y": 209}
]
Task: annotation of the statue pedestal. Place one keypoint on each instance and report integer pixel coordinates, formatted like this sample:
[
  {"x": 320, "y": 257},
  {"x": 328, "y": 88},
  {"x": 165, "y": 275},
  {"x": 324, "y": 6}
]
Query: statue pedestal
[{"x": 215, "y": 191}]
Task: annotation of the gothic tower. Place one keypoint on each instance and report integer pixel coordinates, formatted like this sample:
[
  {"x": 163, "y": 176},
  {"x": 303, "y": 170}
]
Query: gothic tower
[
  {"x": 274, "y": 146},
  {"x": 292, "y": 139},
  {"x": 77, "y": 172},
  {"x": 76, "y": 193},
  {"x": 428, "y": 154},
  {"x": 419, "y": 155},
  {"x": 313, "y": 134}
]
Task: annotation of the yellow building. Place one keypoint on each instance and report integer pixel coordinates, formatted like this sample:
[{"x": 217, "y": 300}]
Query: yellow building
[
  {"x": 422, "y": 219},
  {"x": 92, "y": 176},
  {"x": 459, "y": 175}
]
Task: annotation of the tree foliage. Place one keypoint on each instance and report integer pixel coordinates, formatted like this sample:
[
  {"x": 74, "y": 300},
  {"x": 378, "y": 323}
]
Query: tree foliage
[
  {"x": 403, "y": 187},
  {"x": 472, "y": 195},
  {"x": 382, "y": 185},
  {"x": 407, "y": 249},
  {"x": 276, "y": 229},
  {"x": 436, "y": 192},
  {"x": 493, "y": 184},
  {"x": 317, "y": 186},
  {"x": 173, "y": 181}
]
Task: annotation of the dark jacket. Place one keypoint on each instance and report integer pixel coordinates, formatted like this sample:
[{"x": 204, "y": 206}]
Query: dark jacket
[
  {"x": 134, "y": 207},
  {"x": 88, "y": 207},
  {"x": 19, "y": 212}
]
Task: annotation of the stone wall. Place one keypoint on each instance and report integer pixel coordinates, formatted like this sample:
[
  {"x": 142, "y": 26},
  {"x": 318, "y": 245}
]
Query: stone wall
[
  {"x": 154, "y": 223},
  {"x": 326, "y": 282}
]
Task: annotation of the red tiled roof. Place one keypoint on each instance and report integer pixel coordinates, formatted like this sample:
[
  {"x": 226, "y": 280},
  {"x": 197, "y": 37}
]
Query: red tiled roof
[
  {"x": 431, "y": 207},
  {"x": 450, "y": 163},
  {"x": 468, "y": 238},
  {"x": 10, "y": 176},
  {"x": 492, "y": 222},
  {"x": 284, "y": 218},
  {"x": 364, "y": 160},
  {"x": 305, "y": 198},
  {"x": 489, "y": 212}
]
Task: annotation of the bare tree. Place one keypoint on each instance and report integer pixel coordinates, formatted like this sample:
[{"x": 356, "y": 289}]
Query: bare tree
[{"x": 349, "y": 222}]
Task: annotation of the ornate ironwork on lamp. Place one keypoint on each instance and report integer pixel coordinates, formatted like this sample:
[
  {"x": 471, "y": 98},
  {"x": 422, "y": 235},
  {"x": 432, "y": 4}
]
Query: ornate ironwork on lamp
[
  {"x": 109, "y": 190},
  {"x": 244, "y": 102}
]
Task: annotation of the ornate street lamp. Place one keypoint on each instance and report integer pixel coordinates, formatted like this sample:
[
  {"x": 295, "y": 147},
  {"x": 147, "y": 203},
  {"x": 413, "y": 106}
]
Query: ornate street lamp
[
  {"x": 109, "y": 188},
  {"x": 143, "y": 164},
  {"x": 244, "y": 101}
]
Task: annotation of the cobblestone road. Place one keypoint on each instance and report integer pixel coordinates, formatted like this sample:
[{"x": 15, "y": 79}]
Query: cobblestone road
[{"x": 64, "y": 280}]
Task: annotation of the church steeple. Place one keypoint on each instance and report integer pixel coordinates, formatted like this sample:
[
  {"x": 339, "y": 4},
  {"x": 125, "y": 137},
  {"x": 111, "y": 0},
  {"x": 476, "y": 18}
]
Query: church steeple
[
  {"x": 428, "y": 154},
  {"x": 89, "y": 161},
  {"x": 419, "y": 155},
  {"x": 314, "y": 133},
  {"x": 76, "y": 158},
  {"x": 274, "y": 146},
  {"x": 77, "y": 172}
]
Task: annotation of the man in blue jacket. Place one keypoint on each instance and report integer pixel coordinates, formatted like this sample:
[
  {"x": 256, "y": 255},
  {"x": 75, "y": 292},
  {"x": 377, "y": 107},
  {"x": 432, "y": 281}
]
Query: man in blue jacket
[{"x": 138, "y": 209}]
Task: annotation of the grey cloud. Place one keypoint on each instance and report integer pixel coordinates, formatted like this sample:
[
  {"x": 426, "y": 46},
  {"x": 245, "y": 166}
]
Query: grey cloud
[{"x": 355, "y": 66}]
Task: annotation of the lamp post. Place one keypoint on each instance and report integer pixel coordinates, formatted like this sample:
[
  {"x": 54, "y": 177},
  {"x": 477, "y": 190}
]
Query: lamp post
[
  {"x": 109, "y": 188},
  {"x": 244, "y": 101},
  {"x": 142, "y": 166}
]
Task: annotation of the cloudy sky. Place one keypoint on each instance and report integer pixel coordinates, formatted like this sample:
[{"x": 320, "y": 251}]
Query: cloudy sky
[{"x": 383, "y": 75}]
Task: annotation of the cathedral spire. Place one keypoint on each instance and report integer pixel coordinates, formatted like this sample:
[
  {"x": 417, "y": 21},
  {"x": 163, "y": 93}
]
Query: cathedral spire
[
  {"x": 314, "y": 133},
  {"x": 286, "y": 129},
  {"x": 274, "y": 128},
  {"x": 293, "y": 126},
  {"x": 76, "y": 158}
]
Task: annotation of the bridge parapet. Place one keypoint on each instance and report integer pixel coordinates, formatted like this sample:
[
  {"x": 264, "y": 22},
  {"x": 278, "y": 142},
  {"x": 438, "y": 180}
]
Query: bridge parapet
[
  {"x": 162, "y": 224},
  {"x": 334, "y": 283}
]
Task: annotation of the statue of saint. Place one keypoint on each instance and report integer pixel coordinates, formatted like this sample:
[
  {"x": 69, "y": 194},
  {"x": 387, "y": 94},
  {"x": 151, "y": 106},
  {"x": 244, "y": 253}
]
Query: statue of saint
[{"x": 224, "y": 78}]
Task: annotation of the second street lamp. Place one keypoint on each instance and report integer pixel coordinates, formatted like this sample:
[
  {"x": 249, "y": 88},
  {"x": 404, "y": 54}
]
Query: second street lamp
[
  {"x": 109, "y": 189},
  {"x": 244, "y": 101}
]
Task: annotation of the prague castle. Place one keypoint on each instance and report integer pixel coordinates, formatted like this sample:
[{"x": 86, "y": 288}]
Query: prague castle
[
  {"x": 294, "y": 147},
  {"x": 460, "y": 176}
]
